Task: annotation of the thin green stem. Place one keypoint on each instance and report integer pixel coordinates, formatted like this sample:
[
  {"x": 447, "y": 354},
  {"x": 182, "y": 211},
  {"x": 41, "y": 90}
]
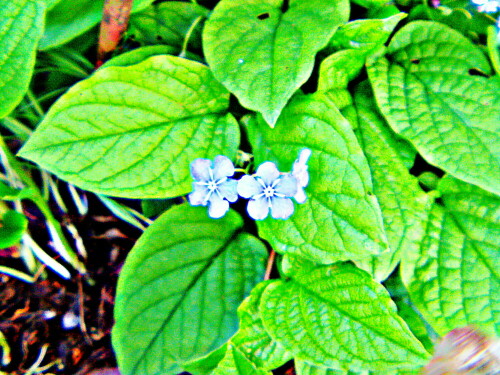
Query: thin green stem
[
  {"x": 34, "y": 103},
  {"x": 17, "y": 127},
  {"x": 36, "y": 197},
  {"x": 188, "y": 36},
  {"x": 17, "y": 274}
]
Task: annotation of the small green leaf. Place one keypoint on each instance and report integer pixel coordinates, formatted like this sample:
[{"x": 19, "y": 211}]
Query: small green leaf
[
  {"x": 432, "y": 90},
  {"x": 335, "y": 73},
  {"x": 205, "y": 365},
  {"x": 365, "y": 35},
  {"x": 12, "y": 227},
  {"x": 180, "y": 287},
  {"x": 456, "y": 279},
  {"x": 155, "y": 207},
  {"x": 252, "y": 339},
  {"x": 21, "y": 27},
  {"x": 167, "y": 23},
  {"x": 341, "y": 219},
  {"x": 235, "y": 363},
  {"x": 161, "y": 114},
  {"x": 404, "y": 204},
  {"x": 68, "y": 19},
  {"x": 338, "y": 317},
  {"x": 263, "y": 53}
]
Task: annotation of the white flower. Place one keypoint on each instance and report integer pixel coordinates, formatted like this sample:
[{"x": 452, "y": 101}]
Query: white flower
[
  {"x": 212, "y": 185},
  {"x": 268, "y": 190},
  {"x": 300, "y": 172}
]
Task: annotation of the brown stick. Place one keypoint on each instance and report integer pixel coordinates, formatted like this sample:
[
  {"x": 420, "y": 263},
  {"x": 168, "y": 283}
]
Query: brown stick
[{"x": 115, "y": 16}]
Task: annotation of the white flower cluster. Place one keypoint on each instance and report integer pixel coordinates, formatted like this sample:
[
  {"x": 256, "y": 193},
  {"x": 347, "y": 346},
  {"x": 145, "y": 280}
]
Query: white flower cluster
[{"x": 487, "y": 6}]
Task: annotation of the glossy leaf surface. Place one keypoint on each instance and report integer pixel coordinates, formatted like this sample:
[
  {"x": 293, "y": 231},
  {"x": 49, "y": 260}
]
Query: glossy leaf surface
[
  {"x": 263, "y": 53},
  {"x": 133, "y": 131},
  {"x": 200, "y": 270}
]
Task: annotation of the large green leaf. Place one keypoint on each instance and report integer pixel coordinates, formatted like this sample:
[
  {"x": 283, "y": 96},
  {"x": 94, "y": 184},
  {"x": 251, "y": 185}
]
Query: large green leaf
[
  {"x": 180, "y": 288},
  {"x": 263, "y": 53},
  {"x": 341, "y": 219},
  {"x": 68, "y": 19},
  {"x": 133, "y": 131},
  {"x": 167, "y": 23},
  {"x": 252, "y": 338},
  {"x": 432, "y": 90},
  {"x": 338, "y": 317},
  {"x": 21, "y": 27},
  {"x": 305, "y": 368},
  {"x": 456, "y": 279},
  {"x": 404, "y": 204}
]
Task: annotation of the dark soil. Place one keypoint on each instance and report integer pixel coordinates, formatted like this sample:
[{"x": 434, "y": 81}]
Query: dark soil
[{"x": 68, "y": 320}]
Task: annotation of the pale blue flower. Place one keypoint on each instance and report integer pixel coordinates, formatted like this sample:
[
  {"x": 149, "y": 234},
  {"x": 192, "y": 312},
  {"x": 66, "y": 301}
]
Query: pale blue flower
[
  {"x": 300, "y": 172},
  {"x": 212, "y": 185},
  {"x": 487, "y": 6},
  {"x": 268, "y": 190}
]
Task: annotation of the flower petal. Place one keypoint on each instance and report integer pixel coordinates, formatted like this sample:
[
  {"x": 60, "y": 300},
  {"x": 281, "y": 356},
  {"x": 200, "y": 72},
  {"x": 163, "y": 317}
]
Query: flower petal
[
  {"x": 300, "y": 197},
  {"x": 281, "y": 208},
  {"x": 299, "y": 170},
  {"x": 223, "y": 167},
  {"x": 287, "y": 185},
  {"x": 228, "y": 190},
  {"x": 248, "y": 187},
  {"x": 258, "y": 209},
  {"x": 268, "y": 172},
  {"x": 197, "y": 197},
  {"x": 217, "y": 206},
  {"x": 199, "y": 169}
]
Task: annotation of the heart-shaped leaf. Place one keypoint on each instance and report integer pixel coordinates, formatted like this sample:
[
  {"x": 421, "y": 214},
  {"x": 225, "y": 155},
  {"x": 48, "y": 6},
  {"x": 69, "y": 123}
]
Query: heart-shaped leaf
[
  {"x": 456, "y": 279},
  {"x": 133, "y": 131},
  {"x": 338, "y": 317},
  {"x": 340, "y": 219},
  {"x": 180, "y": 288},
  {"x": 263, "y": 52},
  {"x": 21, "y": 28},
  {"x": 433, "y": 89}
]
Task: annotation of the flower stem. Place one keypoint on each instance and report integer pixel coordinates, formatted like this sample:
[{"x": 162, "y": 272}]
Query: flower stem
[{"x": 270, "y": 264}]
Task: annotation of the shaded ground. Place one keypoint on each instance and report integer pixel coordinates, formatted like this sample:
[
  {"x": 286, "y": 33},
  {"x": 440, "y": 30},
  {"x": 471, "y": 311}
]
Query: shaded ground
[{"x": 66, "y": 323}]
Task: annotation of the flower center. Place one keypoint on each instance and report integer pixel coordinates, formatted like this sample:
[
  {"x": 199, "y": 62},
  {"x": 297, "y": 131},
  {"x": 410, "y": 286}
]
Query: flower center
[
  {"x": 212, "y": 185},
  {"x": 268, "y": 191}
]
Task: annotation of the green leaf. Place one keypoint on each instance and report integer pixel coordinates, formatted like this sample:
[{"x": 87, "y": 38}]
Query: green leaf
[
  {"x": 161, "y": 114},
  {"x": 167, "y": 23},
  {"x": 68, "y": 19},
  {"x": 432, "y": 90},
  {"x": 155, "y": 207},
  {"x": 12, "y": 227},
  {"x": 263, "y": 53},
  {"x": 305, "y": 368},
  {"x": 335, "y": 73},
  {"x": 252, "y": 339},
  {"x": 180, "y": 287},
  {"x": 365, "y": 35},
  {"x": 341, "y": 219},
  {"x": 138, "y": 55},
  {"x": 403, "y": 203},
  {"x": 235, "y": 363},
  {"x": 456, "y": 279},
  {"x": 205, "y": 365},
  {"x": 21, "y": 27},
  {"x": 338, "y": 317}
]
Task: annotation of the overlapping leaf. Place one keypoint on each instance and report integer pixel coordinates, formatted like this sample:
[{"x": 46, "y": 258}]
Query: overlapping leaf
[
  {"x": 341, "y": 219},
  {"x": 68, "y": 19},
  {"x": 168, "y": 23},
  {"x": 456, "y": 279},
  {"x": 133, "y": 131},
  {"x": 180, "y": 287},
  {"x": 338, "y": 317},
  {"x": 263, "y": 53},
  {"x": 21, "y": 27},
  {"x": 434, "y": 91},
  {"x": 235, "y": 363},
  {"x": 404, "y": 205},
  {"x": 12, "y": 227}
]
